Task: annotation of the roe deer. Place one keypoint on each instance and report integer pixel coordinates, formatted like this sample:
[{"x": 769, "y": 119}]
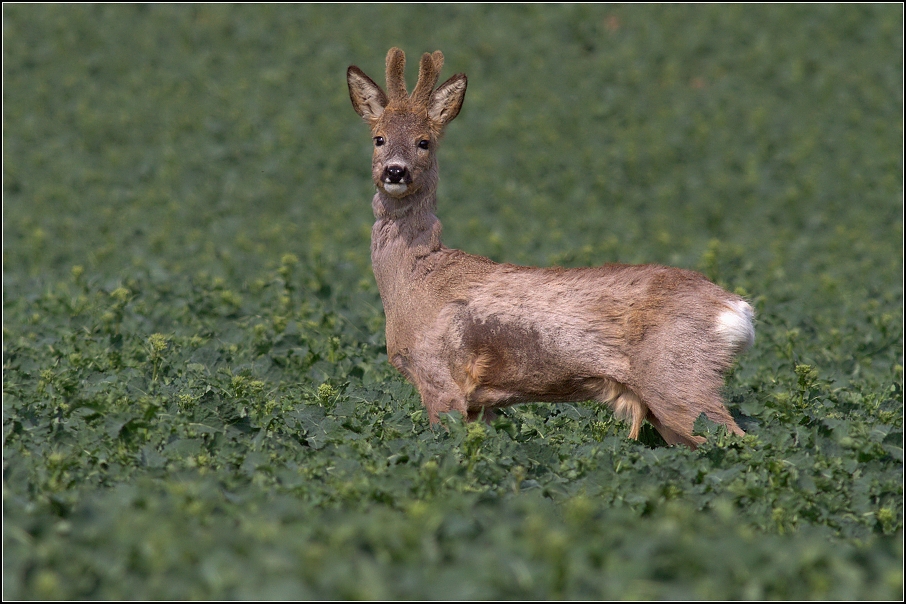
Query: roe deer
[{"x": 472, "y": 335}]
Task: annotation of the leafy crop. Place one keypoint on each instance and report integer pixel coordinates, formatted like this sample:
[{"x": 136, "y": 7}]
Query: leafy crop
[{"x": 196, "y": 397}]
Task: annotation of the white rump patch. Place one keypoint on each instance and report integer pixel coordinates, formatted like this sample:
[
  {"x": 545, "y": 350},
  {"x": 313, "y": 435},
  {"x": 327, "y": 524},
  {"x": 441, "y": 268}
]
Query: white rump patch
[{"x": 734, "y": 325}]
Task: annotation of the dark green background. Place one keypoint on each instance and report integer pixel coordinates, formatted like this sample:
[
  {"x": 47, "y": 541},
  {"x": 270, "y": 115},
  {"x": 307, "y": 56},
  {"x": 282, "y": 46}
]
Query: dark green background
[{"x": 196, "y": 398}]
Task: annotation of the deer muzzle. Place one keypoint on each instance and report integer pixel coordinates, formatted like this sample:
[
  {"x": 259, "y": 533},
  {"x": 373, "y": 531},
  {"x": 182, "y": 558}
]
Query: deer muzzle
[{"x": 396, "y": 179}]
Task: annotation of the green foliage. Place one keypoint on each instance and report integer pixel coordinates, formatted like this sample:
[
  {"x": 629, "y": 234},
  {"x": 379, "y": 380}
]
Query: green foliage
[{"x": 196, "y": 397}]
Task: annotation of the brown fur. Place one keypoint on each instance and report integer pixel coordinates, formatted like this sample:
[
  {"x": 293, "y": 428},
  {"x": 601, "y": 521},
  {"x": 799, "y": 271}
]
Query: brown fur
[{"x": 472, "y": 335}]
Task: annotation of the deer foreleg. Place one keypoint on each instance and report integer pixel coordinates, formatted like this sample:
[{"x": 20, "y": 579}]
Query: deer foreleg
[{"x": 435, "y": 385}]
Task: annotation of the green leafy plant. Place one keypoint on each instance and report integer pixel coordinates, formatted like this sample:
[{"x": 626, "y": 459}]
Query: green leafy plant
[{"x": 197, "y": 402}]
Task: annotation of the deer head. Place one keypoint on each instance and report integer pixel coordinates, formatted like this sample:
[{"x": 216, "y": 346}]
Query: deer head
[{"x": 406, "y": 127}]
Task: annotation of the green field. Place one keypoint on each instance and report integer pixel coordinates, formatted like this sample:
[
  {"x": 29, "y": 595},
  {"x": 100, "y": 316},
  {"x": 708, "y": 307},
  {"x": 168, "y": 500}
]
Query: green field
[{"x": 197, "y": 402}]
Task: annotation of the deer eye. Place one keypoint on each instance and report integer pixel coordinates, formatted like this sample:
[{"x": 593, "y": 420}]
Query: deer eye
[
  {"x": 378, "y": 141},
  {"x": 423, "y": 144}
]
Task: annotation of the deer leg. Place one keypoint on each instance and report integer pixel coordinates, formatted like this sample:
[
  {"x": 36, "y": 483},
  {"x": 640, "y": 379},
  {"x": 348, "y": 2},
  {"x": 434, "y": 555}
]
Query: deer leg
[
  {"x": 628, "y": 406},
  {"x": 678, "y": 389},
  {"x": 485, "y": 413},
  {"x": 442, "y": 398},
  {"x": 675, "y": 421},
  {"x": 671, "y": 437},
  {"x": 439, "y": 393}
]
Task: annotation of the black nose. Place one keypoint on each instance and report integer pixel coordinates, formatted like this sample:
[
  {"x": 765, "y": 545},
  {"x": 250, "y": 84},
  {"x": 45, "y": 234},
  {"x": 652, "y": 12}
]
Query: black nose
[{"x": 395, "y": 174}]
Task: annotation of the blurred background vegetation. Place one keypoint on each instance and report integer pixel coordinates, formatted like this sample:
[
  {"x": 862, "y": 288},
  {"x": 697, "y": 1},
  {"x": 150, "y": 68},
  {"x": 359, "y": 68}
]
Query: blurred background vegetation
[{"x": 197, "y": 403}]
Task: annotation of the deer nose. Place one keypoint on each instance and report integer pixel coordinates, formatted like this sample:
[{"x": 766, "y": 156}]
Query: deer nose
[{"x": 396, "y": 174}]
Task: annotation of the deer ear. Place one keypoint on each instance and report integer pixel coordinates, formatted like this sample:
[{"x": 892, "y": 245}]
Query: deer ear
[
  {"x": 368, "y": 99},
  {"x": 447, "y": 100}
]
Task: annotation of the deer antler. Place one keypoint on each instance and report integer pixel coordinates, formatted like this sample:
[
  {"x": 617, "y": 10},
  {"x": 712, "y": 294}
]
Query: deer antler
[
  {"x": 396, "y": 80},
  {"x": 428, "y": 72}
]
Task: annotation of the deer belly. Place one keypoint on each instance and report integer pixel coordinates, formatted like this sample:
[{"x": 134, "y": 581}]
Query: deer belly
[{"x": 498, "y": 362}]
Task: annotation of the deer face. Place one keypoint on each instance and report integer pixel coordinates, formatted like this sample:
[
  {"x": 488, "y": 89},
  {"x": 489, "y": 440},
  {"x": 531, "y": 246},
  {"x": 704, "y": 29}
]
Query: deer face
[{"x": 403, "y": 152}]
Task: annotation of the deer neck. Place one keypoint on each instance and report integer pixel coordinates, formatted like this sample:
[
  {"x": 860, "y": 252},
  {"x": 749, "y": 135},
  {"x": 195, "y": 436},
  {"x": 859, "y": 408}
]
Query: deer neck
[
  {"x": 406, "y": 229},
  {"x": 387, "y": 207},
  {"x": 406, "y": 250},
  {"x": 406, "y": 234}
]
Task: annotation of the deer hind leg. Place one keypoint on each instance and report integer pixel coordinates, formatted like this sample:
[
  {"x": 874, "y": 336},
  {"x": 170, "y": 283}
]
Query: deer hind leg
[
  {"x": 674, "y": 420},
  {"x": 671, "y": 437}
]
